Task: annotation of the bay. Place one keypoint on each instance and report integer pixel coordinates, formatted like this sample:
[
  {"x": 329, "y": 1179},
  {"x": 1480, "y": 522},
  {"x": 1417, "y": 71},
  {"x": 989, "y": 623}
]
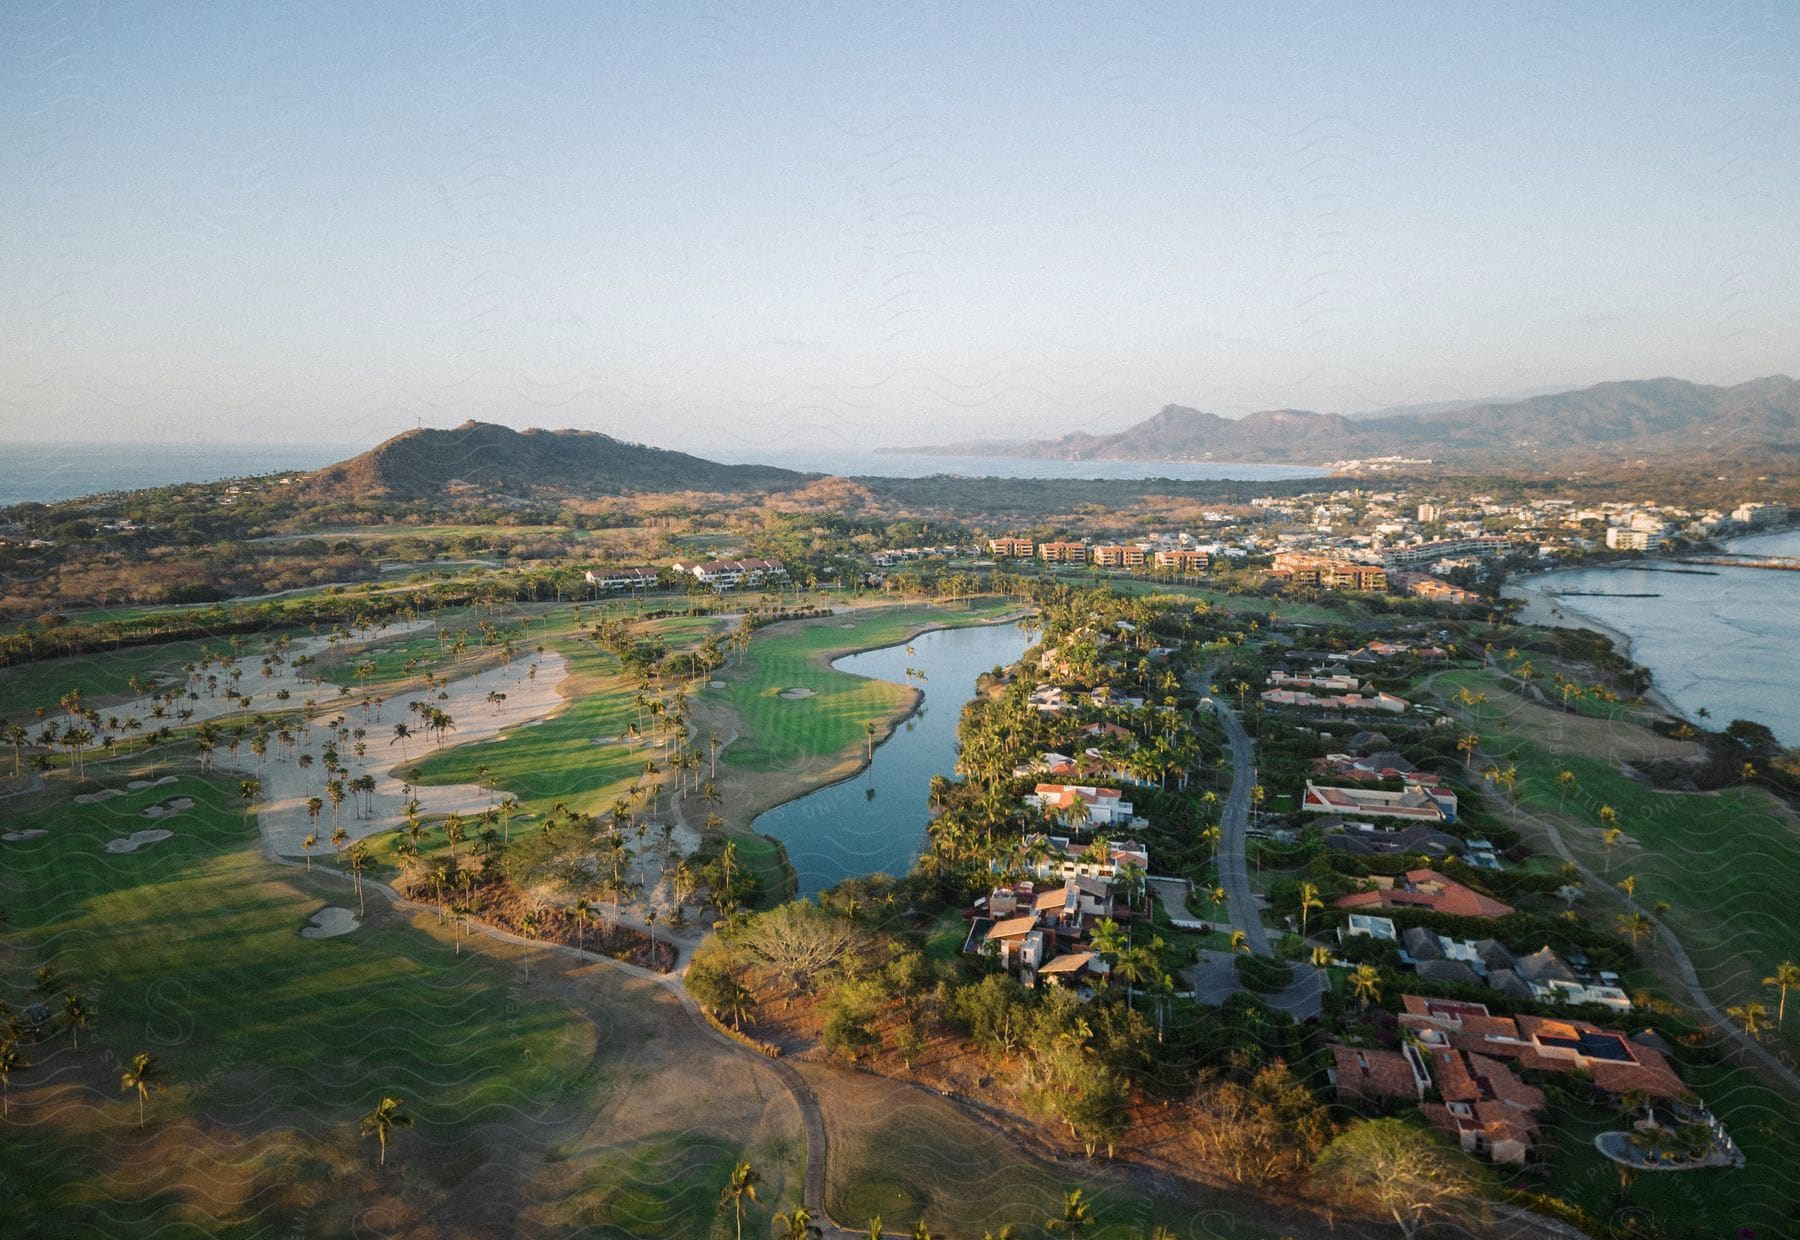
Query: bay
[{"x": 1724, "y": 640}]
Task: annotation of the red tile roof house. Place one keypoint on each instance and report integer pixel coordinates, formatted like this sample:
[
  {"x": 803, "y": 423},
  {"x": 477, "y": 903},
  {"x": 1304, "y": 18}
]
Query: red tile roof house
[
  {"x": 1614, "y": 1062},
  {"x": 1106, "y": 806},
  {"x": 1429, "y": 890},
  {"x": 1485, "y": 1107},
  {"x": 1370, "y": 1077}
]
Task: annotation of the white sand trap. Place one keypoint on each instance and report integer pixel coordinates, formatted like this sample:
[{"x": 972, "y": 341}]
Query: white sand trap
[
  {"x": 795, "y": 695},
  {"x": 138, "y": 785},
  {"x": 13, "y": 837},
  {"x": 94, "y": 798},
  {"x": 137, "y": 840},
  {"x": 286, "y": 786},
  {"x": 715, "y": 684},
  {"x": 330, "y": 922},
  {"x": 848, "y": 624},
  {"x": 173, "y": 806}
]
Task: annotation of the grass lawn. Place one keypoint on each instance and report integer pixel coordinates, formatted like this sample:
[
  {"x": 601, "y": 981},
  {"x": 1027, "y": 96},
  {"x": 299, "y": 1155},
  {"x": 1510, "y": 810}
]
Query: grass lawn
[
  {"x": 1476, "y": 680},
  {"x": 1714, "y": 1201},
  {"x": 105, "y": 674},
  {"x": 670, "y": 1188},
  {"x": 560, "y": 758},
  {"x": 271, "y": 1043},
  {"x": 901, "y": 1161},
  {"x": 1726, "y": 862},
  {"x": 782, "y": 731}
]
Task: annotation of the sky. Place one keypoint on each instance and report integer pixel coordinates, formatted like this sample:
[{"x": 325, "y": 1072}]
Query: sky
[{"x": 749, "y": 229}]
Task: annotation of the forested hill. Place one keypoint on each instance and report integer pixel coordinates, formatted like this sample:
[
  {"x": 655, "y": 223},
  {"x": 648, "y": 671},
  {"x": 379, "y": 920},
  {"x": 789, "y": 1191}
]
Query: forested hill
[
  {"x": 1644, "y": 419},
  {"x": 484, "y": 458}
]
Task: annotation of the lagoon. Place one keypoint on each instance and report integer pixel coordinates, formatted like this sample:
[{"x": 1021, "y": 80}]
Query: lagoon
[{"x": 875, "y": 820}]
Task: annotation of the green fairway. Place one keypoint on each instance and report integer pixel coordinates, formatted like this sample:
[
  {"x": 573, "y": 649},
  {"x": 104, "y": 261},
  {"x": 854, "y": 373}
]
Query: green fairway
[
  {"x": 190, "y": 949},
  {"x": 782, "y": 731},
  {"x": 570, "y": 757},
  {"x": 104, "y": 674},
  {"x": 1714, "y": 1201},
  {"x": 1588, "y": 706},
  {"x": 1726, "y": 862}
]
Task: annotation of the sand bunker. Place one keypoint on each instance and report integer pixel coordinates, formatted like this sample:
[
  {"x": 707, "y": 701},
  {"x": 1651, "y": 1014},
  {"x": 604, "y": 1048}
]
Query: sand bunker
[
  {"x": 330, "y": 922},
  {"x": 794, "y": 695},
  {"x": 138, "y": 785},
  {"x": 13, "y": 837},
  {"x": 137, "y": 840},
  {"x": 715, "y": 684},
  {"x": 172, "y": 806},
  {"x": 105, "y": 794}
]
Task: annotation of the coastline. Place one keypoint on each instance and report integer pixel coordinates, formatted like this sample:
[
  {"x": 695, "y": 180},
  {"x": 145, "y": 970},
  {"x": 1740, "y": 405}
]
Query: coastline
[{"x": 1551, "y": 611}]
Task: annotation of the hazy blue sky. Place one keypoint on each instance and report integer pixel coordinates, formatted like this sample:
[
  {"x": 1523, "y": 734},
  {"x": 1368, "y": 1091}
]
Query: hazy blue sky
[{"x": 735, "y": 228}]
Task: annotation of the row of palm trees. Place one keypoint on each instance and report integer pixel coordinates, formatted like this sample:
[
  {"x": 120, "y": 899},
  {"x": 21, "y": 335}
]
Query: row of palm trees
[{"x": 800, "y": 1223}]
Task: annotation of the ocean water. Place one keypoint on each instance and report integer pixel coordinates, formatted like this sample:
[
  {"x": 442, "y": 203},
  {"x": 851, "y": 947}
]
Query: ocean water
[
  {"x": 45, "y": 472},
  {"x": 1723, "y": 639},
  {"x": 919, "y": 465}
]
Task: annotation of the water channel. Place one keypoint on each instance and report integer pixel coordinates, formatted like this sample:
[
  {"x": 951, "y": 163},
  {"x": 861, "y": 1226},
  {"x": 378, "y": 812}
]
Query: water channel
[{"x": 875, "y": 820}]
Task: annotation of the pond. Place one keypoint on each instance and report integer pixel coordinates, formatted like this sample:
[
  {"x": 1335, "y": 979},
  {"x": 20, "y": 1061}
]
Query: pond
[{"x": 875, "y": 820}]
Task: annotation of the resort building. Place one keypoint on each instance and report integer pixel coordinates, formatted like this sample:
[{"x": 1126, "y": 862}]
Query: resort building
[
  {"x": 1011, "y": 548},
  {"x": 621, "y": 578},
  {"x": 1326, "y": 573},
  {"x": 1063, "y": 552}
]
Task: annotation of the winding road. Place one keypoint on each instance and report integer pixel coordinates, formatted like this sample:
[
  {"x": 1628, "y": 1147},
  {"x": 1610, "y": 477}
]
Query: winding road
[{"x": 1234, "y": 827}]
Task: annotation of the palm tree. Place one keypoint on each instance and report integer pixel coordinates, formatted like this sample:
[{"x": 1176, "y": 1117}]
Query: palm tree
[
  {"x": 1469, "y": 743},
  {"x": 1785, "y": 978},
  {"x": 798, "y": 1225},
  {"x": 584, "y": 913},
  {"x": 1240, "y": 942},
  {"x": 142, "y": 1074},
  {"x": 1754, "y": 1017},
  {"x": 12, "y": 1060},
  {"x": 1635, "y": 925},
  {"x": 1309, "y": 900},
  {"x": 382, "y": 1121},
  {"x": 1365, "y": 981},
  {"x": 1628, "y": 885},
  {"x": 1077, "y": 1215},
  {"x": 1610, "y": 840},
  {"x": 76, "y": 1016},
  {"x": 740, "y": 1187}
]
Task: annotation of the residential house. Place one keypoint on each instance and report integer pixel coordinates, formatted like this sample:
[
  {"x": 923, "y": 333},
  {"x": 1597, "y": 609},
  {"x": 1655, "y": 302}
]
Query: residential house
[
  {"x": 1428, "y": 890},
  {"x": 1418, "y": 801},
  {"x": 1368, "y": 1077},
  {"x": 1106, "y": 807}
]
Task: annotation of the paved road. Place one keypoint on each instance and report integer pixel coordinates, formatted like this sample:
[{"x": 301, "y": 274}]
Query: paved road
[{"x": 1234, "y": 825}]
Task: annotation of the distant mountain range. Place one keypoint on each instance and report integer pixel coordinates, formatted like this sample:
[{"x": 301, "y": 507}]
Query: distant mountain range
[
  {"x": 485, "y": 458},
  {"x": 1647, "y": 418}
]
